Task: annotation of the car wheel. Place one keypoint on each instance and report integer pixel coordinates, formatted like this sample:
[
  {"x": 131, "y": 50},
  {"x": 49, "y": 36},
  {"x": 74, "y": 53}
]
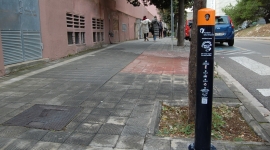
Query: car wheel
[{"x": 231, "y": 42}]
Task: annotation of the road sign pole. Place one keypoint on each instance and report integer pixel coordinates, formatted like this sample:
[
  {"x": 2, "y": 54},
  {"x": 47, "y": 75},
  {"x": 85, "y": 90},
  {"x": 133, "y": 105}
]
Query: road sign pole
[
  {"x": 172, "y": 23},
  {"x": 205, "y": 74}
]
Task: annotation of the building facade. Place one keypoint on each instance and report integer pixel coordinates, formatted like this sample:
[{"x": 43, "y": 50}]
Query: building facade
[
  {"x": 219, "y": 4},
  {"x": 35, "y": 29}
]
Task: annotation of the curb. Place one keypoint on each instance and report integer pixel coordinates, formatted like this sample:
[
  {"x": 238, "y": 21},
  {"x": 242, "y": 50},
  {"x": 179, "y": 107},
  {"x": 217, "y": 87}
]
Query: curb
[
  {"x": 24, "y": 65},
  {"x": 249, "y": 112}
]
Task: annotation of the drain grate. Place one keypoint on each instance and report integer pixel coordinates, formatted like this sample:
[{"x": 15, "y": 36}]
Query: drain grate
[{"x": 48, "y": 117}]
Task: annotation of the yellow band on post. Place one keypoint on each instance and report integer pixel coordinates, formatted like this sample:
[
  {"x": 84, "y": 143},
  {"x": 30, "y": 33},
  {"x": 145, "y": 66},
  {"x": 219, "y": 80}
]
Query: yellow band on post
[{"x": 206, "y": 16}]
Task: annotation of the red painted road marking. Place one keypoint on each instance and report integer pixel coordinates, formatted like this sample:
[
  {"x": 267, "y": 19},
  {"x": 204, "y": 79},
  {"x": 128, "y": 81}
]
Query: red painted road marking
[{"x": 159, "y": 62}]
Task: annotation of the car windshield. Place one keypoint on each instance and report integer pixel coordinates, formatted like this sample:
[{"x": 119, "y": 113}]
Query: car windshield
[{"x": 222, "y": 20}]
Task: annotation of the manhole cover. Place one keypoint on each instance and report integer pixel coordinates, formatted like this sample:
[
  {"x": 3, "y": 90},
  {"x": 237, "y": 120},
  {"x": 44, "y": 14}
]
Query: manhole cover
[{"x": 49, "y": 117}]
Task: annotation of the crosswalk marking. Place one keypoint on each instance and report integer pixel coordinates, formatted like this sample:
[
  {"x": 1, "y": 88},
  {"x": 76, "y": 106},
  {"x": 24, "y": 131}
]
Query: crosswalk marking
[
  {"x": 254, "y": 66},
  {"x": 232, "y": 52},
  {"x": 264, "y": 92}
]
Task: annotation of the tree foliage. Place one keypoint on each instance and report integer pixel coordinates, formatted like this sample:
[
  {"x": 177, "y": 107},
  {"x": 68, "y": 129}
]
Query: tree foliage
[{"x": 248, "y": 10}]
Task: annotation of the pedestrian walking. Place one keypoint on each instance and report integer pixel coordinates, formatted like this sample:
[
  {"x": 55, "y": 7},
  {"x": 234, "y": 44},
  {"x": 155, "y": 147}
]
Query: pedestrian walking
[
  {"x": 155, "y": 26},
  {"x": 145, "y": 27},
  {"x": 160, "y": 29},
  {"x": 165, "y": 32}
]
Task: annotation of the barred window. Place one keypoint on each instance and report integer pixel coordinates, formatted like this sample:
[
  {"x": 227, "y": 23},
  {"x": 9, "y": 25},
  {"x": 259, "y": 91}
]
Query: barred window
[
  {"x": 75, "y": 22},
  {"x": 98, "y": 29}
]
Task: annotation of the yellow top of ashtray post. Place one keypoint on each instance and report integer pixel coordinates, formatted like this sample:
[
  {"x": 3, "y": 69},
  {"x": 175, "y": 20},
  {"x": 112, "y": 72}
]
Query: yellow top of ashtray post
[{"x": 206, "y": 16}]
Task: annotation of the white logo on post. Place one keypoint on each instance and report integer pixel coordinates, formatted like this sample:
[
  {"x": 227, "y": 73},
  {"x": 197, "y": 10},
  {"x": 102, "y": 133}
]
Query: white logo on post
[
  {"x": 207, "y": 46},
  {"x": 204, "y": 100},
  {"x": 202, "y": 30}
]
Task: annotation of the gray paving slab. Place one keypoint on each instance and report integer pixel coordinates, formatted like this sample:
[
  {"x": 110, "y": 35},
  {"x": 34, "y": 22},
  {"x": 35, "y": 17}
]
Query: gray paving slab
[
  {"x": 117, "y": 120},
  {"x": 130, "y": 142},
  {"x": 46, "y": 146},
  {"x": 157, "y": 144},
  {"x": 87, "y": 128},
  {"x": 56, "y": 136},
  {"x": 104, "y": 140},
  {"x": 33, "y": 134},
  {"x": 222, "y": 88},
  {"x": 80, "y": 139},
  {"x": 111, "y": 129},
  {"x": 20, "y": 144},
  {"x": 72, "y": 147},
  {"x": 12, "y": 131},
  {"x": 135, "y": 131}
]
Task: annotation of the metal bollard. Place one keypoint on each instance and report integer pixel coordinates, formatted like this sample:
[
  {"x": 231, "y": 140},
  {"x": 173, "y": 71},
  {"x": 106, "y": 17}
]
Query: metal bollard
[{"x": 205, "y": 73}]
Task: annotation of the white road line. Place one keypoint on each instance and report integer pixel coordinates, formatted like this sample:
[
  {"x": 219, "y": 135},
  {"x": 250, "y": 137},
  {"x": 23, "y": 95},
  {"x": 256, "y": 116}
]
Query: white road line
[
  {"x": 254, "y": 66},
  {"x": 264, "y": 92}
]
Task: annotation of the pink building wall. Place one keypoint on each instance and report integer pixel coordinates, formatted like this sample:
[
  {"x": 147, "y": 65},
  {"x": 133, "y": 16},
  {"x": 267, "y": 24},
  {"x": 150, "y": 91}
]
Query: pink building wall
[
  {"x": 54, "y": 25},
  {"x": 115, "y": 14}
]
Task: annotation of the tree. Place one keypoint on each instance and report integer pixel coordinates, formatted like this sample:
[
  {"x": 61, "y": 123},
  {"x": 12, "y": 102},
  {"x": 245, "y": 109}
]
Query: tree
[
  {"x": 248, "y": 10},
  {"x": 192, "y": 72},
  {"x": 181, "y": 23}
]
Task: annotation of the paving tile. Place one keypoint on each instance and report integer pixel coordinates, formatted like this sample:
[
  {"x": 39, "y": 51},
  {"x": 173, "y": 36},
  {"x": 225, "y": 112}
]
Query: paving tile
[
  {"x": 102, "y": 111},
  {"x": 135, "y": 131},
  {"x": 46, "y": 146},
  {"x": 104, "y": 140},
  {"x": 106, "y": 105},
  {"x": 117, "y": 120},
  {"x": 34, "y": 134},
  {"x": 130, "y": 142},
  {"x": 80, "y": 139},
  {"x": 5, "y": 142},
  {"x": 20, "y": 144},
  {"x": 87, "y": 128},
  {"x": 12, "y": 131},
  {"x": 154, "y": 144},
  {"x": 96, "y": 118},
  {"x": 121, "y": 112},
  {"x": 72, "y": 147},
  {"x": 90, "y": 103},
  {"x": 56, "y": 136},
  {"x": 112, "y": 129}
]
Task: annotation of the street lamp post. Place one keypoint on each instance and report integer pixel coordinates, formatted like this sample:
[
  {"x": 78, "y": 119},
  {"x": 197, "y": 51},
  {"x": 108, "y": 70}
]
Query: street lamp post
[{"x": 172, "y": 23}]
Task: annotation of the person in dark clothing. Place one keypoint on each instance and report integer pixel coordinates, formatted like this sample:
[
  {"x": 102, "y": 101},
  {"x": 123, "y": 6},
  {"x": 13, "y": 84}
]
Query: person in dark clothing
[
  {"x": 164, "y": 32},
  {"x": 155, "y": 26},
  {"x": 160, "y": 29}
]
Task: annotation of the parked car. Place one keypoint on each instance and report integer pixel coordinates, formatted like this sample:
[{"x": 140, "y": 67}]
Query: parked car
[
  {"x": 224, "y": 30},
  {"x": 188, "y": 26}
]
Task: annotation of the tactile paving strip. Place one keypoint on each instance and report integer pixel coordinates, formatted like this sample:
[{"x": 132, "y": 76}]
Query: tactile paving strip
[{"x": 49, "y": 117}]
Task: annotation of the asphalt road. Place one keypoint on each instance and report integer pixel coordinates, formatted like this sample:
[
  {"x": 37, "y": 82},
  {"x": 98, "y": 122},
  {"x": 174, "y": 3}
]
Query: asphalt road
[{"x": 248, "y": 61}]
